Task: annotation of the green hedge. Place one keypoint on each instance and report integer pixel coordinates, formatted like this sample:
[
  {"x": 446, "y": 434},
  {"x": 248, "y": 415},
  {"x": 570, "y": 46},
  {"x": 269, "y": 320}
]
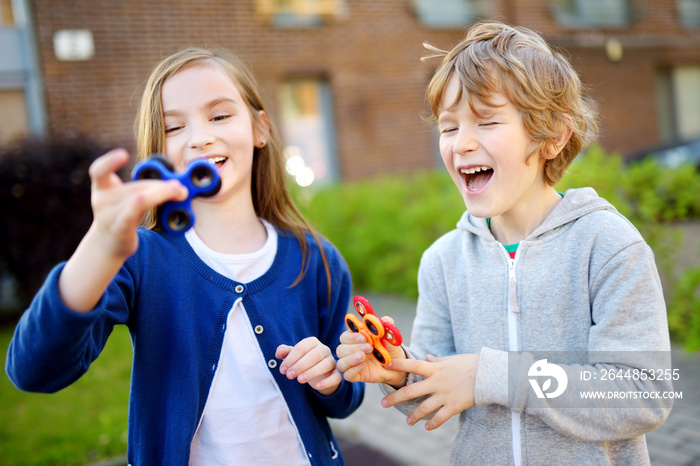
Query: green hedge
[{"x": 382, "y": 225}]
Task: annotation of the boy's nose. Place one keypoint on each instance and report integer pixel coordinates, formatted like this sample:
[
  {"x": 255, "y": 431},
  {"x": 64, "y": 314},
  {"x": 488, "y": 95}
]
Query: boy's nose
[{"x": 466, "y": 141}]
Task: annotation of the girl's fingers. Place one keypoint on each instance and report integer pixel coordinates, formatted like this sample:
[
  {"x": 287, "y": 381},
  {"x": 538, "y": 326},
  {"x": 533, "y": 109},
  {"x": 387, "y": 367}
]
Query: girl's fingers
[
  {"x": 102, "y": 169},
  {"x": 282, "y": 351},
  {"x": 331, "y": 380},
  {"x": 302, "y": 356},
  {"x": 318, "y": 370},
  {"x": 306, "y": 361}
]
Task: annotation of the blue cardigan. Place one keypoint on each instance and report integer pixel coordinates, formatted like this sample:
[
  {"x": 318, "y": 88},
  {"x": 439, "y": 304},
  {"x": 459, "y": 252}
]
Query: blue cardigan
[{"x": 175, "y": 307}]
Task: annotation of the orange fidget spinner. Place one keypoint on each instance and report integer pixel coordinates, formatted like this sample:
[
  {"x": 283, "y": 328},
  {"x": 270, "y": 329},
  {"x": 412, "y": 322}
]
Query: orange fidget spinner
[{"x": 377, "y": 332}]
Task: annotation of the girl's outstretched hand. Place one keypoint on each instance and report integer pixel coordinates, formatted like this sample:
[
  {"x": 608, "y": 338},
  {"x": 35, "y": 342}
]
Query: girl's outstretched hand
[
  {"x": 312, "y": 362},
  {"x": 117, "y": 209},
  {"x": 356, "y": 362}
]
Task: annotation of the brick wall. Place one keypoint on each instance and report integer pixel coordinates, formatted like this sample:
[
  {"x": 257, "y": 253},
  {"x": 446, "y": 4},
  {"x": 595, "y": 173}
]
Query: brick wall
[{"x": 370, "y": 58}]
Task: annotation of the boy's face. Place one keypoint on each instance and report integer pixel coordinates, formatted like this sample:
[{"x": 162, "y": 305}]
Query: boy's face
[{"x": 486, "y": 155}]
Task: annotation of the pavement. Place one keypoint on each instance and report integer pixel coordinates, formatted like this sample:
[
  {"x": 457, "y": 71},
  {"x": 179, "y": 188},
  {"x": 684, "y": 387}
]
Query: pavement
[{"x": 377, "y": 436}]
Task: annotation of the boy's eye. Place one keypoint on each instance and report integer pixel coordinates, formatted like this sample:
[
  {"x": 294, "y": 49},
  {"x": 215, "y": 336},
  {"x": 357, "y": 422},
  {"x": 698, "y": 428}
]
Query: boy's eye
[
  {"x": 447, "y": 130},
  {"x": 220, "y": 117}
]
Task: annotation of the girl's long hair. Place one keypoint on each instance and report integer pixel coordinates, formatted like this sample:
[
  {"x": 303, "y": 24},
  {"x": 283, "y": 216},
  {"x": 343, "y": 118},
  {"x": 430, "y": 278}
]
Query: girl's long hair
[{"x": 271, "y": 198}]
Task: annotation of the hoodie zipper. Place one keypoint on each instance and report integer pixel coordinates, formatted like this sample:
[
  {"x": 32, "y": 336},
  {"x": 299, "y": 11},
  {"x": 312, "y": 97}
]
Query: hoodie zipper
[{"x": 513, "y": 313}]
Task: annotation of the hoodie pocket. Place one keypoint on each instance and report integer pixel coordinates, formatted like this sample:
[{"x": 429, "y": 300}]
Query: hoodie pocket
[{"x": 478, "y": 444}]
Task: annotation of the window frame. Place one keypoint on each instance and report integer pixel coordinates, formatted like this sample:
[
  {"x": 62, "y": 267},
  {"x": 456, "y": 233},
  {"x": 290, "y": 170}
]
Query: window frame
[{"x": 581, "y": 14}]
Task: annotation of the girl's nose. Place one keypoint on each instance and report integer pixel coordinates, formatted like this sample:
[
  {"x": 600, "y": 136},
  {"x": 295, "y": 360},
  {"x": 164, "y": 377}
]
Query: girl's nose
[{"x": 200, "y": 137}]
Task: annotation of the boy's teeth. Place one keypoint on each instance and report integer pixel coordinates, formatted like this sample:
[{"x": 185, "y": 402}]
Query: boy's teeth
[
  {"x": 215, "y": 160},
  {"x": 471, "y": 171}
]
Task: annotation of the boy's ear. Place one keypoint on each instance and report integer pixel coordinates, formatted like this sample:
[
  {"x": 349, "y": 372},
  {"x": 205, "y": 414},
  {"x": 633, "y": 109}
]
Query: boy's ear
[{"x": 555, "y": 146}]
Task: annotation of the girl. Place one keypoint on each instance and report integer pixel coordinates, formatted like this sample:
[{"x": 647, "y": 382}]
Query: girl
[{"x": 212, "y": 312}]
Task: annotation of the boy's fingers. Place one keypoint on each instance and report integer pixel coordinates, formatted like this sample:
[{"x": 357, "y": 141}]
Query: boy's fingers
[
  {"x": 424, "y": 409},
  {"x": 409, "y": 392},
  {"x": 414, "y": 366},
  {"x": 438, "y": 419}
]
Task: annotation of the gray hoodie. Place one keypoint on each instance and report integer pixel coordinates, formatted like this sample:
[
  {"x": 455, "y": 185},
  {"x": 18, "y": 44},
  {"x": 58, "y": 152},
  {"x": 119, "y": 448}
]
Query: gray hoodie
[{"x": 584, "y": 285}]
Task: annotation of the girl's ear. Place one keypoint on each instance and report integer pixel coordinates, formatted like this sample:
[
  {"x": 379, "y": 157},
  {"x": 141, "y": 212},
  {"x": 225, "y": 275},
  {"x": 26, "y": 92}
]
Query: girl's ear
[
  {"x": 555, "y": 146},
  {"x": 261, "y": 129}
]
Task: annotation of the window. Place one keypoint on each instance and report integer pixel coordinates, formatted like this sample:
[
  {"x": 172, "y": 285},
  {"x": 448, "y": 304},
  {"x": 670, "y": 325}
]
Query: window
[
  {"x": 21, "y": 99},
  {"x": 678, "y": 101},
  {"x": 13, "y": 117},
  {"x": 308, "y": 131},
  {"x": 6, "y": 16},
  {"x": 300, "y": 13},
  {"x": 689, "y": 13},
  {"x": 592, "y": 13},
  {"x": 452, "y": 13}
]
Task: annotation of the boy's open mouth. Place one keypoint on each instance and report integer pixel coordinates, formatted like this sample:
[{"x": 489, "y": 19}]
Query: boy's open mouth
[{"x": 476, "y": 178}]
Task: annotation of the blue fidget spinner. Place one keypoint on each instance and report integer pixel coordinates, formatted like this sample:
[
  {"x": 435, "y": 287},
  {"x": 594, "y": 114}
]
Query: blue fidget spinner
[{"x": 200, "y": 178}]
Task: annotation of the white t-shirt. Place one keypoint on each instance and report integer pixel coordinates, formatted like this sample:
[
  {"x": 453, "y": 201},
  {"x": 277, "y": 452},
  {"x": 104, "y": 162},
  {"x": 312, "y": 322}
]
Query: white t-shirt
[{"x": 246, "y": 420}]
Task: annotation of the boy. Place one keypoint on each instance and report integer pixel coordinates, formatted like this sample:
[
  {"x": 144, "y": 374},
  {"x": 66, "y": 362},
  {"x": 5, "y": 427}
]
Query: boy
[{"x": 527, "y": 270}]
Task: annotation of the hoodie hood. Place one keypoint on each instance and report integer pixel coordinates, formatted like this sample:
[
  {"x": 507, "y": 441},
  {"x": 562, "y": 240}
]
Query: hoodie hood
[{"x": 575, "y": 204}]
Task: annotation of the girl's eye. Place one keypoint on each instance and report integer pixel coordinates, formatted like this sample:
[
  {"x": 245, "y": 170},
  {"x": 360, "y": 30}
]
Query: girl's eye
[
  {"x": 447, "y": 130},
  {"x": 170, "y": 129},
  {"x": 220, "y": 117},
  {"x": 489, "y": 123}
]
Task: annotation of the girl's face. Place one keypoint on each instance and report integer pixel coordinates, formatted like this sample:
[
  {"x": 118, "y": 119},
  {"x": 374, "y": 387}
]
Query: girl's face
[
  {"x": 207, "y": 118},
  {"x": 486, "y": 155}
]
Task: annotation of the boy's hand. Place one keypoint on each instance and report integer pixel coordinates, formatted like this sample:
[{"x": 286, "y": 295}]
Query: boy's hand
[
  {"x": 356, "y": 362},
  {"x": 448, "y": 383},
  {"x": 312, "y": 362}
]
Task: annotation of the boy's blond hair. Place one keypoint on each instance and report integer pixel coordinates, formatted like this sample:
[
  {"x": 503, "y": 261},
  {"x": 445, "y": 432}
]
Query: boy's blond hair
[{"x": 538, "y": 81}]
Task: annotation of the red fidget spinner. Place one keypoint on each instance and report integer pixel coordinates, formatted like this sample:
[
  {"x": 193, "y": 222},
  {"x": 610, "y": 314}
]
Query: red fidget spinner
[{"x": 377, "y": 332}]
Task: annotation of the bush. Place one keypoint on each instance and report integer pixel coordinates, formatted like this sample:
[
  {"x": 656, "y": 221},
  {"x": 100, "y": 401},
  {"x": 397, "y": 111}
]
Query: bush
[
  {"x": 382, "y": 225},
  {"x": 44, "y": 209},
  {"x": 684, "y": 313},
  {"x": 645, "y": 192}
]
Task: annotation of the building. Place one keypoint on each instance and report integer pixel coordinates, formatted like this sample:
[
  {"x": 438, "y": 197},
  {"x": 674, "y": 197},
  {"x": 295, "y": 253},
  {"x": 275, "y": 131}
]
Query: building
[{"x": 343, "y": 78}]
